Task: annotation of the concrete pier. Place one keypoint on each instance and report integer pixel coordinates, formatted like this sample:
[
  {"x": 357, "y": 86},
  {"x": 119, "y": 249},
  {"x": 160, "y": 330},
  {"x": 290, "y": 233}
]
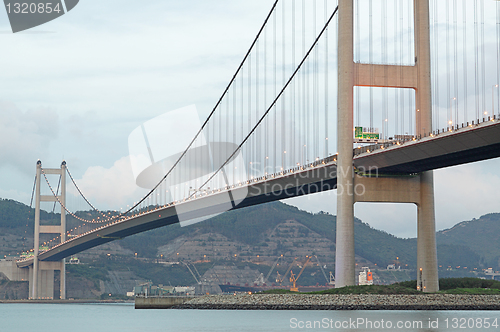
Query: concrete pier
[
  {"x": 426, "y": 243},
  {"x": 160, "y": 302}
]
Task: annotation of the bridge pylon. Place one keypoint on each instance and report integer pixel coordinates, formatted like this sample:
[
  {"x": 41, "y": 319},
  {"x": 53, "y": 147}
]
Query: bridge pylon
[
  {"x": 41, "y": 274},
  {"x": 418, "y": 189}
]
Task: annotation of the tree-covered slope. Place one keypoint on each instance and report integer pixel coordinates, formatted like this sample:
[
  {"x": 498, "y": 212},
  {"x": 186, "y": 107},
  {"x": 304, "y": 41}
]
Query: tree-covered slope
[
  {"x": 481, "y": 235},
  {"x": 475, "y": 244}
]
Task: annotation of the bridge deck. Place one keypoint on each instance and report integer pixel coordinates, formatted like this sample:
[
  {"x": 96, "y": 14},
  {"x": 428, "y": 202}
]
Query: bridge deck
[{"x": 466, "y": 145}]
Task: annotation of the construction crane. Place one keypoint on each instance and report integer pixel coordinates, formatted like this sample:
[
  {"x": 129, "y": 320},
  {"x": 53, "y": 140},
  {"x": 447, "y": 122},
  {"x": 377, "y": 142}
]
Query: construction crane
[
  {"x": 322, "y": 269},
  {"x": 332, "y": 279},
  {"x": 196, "y": 270},
  {"x": 294, "y": 279},
  {"x": 280, "y": 278},
  {"x": 194, "y": 276},
  {"x": 272, "y": 269}
]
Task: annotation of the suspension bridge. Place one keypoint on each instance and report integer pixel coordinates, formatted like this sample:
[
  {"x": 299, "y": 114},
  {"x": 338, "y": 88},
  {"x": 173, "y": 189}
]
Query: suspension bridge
[{"x": 416, "y": 67}]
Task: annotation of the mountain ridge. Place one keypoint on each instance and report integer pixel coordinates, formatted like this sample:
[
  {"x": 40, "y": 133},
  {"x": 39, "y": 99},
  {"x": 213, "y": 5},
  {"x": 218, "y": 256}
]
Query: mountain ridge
[{"x": 460, "y": 245}]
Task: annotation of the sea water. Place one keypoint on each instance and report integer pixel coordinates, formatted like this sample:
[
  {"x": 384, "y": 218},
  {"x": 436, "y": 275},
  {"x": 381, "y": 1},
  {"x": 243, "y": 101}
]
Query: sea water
[{"x": 124, "y": 318}]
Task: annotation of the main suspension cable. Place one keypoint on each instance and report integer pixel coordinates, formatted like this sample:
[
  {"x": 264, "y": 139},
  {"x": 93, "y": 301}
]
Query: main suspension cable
[
  {"x": 85, "y": 198},
  {"x": 64, "y": 206}
]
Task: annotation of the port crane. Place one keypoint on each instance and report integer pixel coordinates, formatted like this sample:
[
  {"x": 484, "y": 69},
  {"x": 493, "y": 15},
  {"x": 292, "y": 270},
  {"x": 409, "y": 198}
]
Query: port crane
[
  {"x": 198, "y": 280},
  {"x": 321, "y": 267},
  {"x": 280, "y": 278},
  {"x": 294, "y": 279},
  {"x": 272, "y": 268}
]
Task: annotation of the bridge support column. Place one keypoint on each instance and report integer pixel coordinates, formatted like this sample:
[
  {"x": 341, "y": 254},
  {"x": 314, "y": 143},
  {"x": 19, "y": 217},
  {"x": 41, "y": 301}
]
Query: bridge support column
[
  {"x": 344, "y": 252},
  {"x": 427, "y": 272},
  {"x": 417, "y": 77},
  {"x": 62, "y": 278},
  {"x": 45, "y": 283},
  {"x": 33, "y": 290},
  {"x": 41, "y": 275}
]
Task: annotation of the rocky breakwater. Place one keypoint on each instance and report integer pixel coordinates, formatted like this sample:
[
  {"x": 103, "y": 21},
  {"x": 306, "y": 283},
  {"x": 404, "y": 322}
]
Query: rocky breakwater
[{"x": 344, "y": 302}]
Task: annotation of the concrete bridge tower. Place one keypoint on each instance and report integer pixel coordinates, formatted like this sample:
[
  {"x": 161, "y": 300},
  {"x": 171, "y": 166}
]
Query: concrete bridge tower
[
  {"x": 419, "y": 189},
  {"x": 41, "y": 274}
]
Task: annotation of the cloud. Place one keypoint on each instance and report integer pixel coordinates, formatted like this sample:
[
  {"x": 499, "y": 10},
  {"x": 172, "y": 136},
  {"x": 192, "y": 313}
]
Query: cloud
[
  {"x": 17, "y": 195},
  {"x": 110, "y": 188},
  {"x": 466, "y": 192},
  {"x": 25, "y": 136}
]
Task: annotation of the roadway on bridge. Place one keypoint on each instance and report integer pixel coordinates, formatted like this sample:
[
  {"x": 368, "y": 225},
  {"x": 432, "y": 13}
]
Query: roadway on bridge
[{"x": 458, "y": 147}]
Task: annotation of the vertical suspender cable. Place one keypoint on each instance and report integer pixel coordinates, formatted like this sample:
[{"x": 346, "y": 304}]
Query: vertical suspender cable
[
  {"x": 308, "y": 107},
  {"x": 234, "y": 130},
  {"x": 326, "y": 83},
  {"x": 411, "y": 60},
  {"x": 401, "y": 54},
  {"x": 249, "y": 88},
  {"x": 305, "y": 119},
  {"x": 403, "y": 92},
  {"x": 266, "y": 127},
  {"x": 312, "y": 65},
  {"x": 384, "y": 49},
  {"x": 243, "y": 169},
  {"x": 434, "y": 67},
  {"x": 371, "y": 62},
  {"x": 301, "y": 97},
  {"x": 293, "y": 131},
  {"x": 396, "y": 92},
  {"x": 358, "y": 59},
  {"x": 464, "y": 3},
  {"x": 382, "y": 56},
  {"x": 448, "y": 69},
  {"x": 227, "y": 129},
  {"x": 220, "y": 126},
  {"x": 483, "y": 61},
  {"x": 257, "y": 85},
  {"x": 455, "y": 59},
  {"x": 315, "y": 87},
  {"x": 283, "y": 100},
  {"x": 436, "y": 40},
  {"x": 498, "y": 56},
  {"x": 275, "y": 143},
  {"x": 298, "y": 106},
  {"x": 476, "y": 60}
]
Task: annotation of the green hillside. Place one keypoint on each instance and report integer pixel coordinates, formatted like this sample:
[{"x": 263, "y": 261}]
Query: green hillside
[
  {"x": 250, "y": 225},
  {"x": 474, "y": 244},
  {"x": 480, "y": 235}
]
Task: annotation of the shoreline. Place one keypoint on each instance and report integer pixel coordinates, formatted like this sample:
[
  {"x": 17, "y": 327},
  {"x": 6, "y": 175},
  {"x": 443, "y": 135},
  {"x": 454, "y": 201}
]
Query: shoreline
[
  {"x": 58, "y": 301},
  {"x": 313, "y": 302},
  {"x": 342, "y": 302},
  {"x": 339, "y": 307}
]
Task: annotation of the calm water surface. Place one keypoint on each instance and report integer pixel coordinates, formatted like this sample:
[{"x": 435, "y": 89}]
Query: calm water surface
[{"x": 124, "y": 318}]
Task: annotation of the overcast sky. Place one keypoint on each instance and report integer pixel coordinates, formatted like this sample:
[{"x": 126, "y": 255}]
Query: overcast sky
[{"x": 76, "y": 87}]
